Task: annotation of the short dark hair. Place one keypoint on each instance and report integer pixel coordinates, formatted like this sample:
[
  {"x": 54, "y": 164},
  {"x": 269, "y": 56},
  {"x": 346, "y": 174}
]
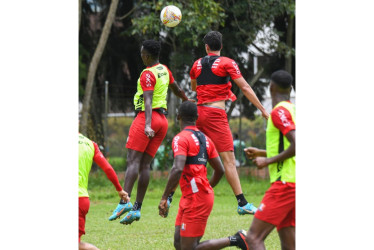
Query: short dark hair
[
  {"x": 282, "y": 78},
  {"x": 152, "y": 47},
  {"x": 188, "y": 111},
  {"x": 214, "y": 40}
]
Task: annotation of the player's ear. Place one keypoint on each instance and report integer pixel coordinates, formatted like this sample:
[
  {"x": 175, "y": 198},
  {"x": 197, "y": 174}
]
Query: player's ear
[{"x": 178, "y": 117}]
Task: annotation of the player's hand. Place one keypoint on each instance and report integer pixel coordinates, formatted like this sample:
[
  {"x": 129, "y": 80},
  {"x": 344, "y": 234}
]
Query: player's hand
[
  {"x": 191, "y": 100},
  {"x": 124, "y": 195},
  {"x": 163, "y": 208},
  {"x": 149, "y": 132},
  {"x": 251, "y": 152},
  {"x": 265, "y": 115},
  {"x": 261, "y": 162}
]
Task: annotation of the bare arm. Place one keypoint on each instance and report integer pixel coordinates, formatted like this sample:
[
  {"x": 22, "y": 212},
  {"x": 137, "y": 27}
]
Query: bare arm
[
  {"x": 193, "y": 84},
  {"x": 148, "y": 97},
  {"x": 178, "y": 91},
  {"x": 218, "y": 171},
  {"x": 252, "y": 152},
  {"x": 174, "y": 176},
  {"x": 288, "y": 153},
  {"x": 250, "y": 94}
]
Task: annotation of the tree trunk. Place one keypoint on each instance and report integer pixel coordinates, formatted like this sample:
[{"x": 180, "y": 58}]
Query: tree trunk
[
  {"x": 95, "y": 62},
  {"x": 289, "y": 38},
  {"x": 80, "y": 14}
]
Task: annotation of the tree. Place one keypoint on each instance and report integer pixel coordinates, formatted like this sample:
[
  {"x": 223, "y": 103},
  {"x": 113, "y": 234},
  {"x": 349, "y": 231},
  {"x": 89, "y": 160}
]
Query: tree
[{"x": 94, "y": 64}]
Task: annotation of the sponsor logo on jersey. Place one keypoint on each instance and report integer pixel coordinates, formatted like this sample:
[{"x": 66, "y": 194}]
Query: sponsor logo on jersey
[
  {"x": 161, "y": 74},
  {"x": 176, "y": 139},
  {"x": 183, "y": 227},
  {"x": 283, "y": 118}
]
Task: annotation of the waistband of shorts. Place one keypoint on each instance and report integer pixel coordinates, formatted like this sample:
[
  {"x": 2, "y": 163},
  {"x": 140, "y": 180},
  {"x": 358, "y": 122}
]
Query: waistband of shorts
[
  {"x": 158, "y": 110},
  {"x": 209, "y": 106}
]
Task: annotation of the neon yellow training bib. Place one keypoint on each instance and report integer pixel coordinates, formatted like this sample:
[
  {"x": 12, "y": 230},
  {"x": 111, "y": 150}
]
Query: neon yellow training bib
[
  {"x": 276, "y": 142},
  {"x": 160, "y": 91},
  {"x": 86, "y": 154}
]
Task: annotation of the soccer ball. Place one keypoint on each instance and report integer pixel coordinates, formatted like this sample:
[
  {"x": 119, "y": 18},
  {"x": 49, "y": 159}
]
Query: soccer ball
[{"x": 171, "y": 16}]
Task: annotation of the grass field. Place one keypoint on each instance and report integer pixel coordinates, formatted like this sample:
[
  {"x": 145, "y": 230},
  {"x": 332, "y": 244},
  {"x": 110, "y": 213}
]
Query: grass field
[{"x": 155, "y": 232}]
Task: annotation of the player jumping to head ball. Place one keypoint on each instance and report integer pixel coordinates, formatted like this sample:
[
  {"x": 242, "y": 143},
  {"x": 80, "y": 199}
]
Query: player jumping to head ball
[
  {"x": 149, "y": 127},
  {"x": 210, "y": 77}
]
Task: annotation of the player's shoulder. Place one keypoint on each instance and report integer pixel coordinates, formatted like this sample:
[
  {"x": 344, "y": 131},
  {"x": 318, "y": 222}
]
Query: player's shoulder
[{"x": 226, "y": 59}]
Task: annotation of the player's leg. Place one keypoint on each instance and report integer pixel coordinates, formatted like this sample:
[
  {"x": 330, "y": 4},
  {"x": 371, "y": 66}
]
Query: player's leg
[
  {"x": 137, "y": 142},
  {"x": 287, "y": 238},
  {"x": 144, "y": 173},
  {"x": 87, "y": 246},
  {"x": 177, "y": 238},
  {"x": 188, "y": 243},
  {"x": 257, "y": 234},
  {"x": 228, "y": 160}
]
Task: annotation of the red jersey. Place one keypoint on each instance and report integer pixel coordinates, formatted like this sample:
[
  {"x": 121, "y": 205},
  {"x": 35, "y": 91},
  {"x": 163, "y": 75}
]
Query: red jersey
[
  {"x": 222, "y": 67},
  {"x": 148, "y": 79},
  {"x": 185, "y": 143},
  {"x": 282, "y": 120}
]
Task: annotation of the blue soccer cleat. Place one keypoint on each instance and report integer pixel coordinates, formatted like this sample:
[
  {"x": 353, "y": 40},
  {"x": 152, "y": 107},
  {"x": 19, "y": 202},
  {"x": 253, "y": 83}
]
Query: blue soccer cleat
[
  {"x": 130, "y": 217},
  {"x": 247, "y": 209},
  {"x": 120, "y": 209}
]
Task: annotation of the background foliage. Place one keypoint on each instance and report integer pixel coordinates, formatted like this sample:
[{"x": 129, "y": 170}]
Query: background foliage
[{"x": 240, "y": 22}]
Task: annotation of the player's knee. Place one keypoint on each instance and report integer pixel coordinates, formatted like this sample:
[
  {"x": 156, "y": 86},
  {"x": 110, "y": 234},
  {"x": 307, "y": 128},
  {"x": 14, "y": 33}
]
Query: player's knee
[{"x": 253, "y": 239}]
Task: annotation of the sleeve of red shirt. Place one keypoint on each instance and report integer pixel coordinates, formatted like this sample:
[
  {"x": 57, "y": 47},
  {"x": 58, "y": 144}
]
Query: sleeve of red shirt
[
  {"x": 193, "y": 70},
  {"x": 232, "y": 68},
  {"x": 147, "y": 80},
  {"x": 171, "y": 77},
  {"x": 212, "y": 152},
  {"x": 282, "y": 120},
  {"x": 106, "y": 167},
  {"x": 180, "y": 145}
]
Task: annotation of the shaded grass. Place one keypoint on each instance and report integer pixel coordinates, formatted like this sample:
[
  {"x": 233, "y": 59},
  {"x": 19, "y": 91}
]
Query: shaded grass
[{"x": 155, "y": 232}]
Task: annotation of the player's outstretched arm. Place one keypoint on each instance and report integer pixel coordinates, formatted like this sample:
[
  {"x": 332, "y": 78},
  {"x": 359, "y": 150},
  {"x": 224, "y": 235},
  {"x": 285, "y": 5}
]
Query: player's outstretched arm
[
  {"x": 174, "y": 176},
  {"x": 218, "y": 171},
  {"x": 252, "y": 152},
  {"x": 288, "y": 153},
  {"x": 179, "y": 92},
  {"x": 250, "y": 94},
  {"x": 109, "y": 171}
]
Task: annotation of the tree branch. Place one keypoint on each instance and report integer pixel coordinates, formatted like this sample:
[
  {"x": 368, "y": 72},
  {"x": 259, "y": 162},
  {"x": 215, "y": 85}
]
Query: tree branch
[{"x": 127, "y": 14}]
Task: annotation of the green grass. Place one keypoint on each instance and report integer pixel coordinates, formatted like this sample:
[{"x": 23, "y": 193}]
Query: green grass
[{"x": 155, "y": 232}]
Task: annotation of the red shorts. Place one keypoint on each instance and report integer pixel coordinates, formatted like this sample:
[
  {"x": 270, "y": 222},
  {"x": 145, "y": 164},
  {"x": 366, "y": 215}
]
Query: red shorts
[
  {"x": 137, "y": 140},
  {"x": 84, "y": 206},
  {"x": 193, "y": 213},
  {"x": 278, "y": 205},
  {"x": 213, "y": 122}
]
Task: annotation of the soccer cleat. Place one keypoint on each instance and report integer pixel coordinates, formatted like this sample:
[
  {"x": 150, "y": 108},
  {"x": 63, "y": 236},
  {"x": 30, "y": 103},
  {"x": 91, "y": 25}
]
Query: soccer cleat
[
  {"x": 240, "y": 240},
  {"x": 130, "y": 217},
  {"x": 247, "y": 209},
  {"x": 120, "y": 209}
]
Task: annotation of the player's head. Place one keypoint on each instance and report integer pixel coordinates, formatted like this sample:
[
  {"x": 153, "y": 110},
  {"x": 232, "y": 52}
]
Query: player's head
[
  {"x": 187, "y": 112},
  {"x": 236, "y": 136},
  {"x": 150, "y": 51},
  {"x": 214, "y": 40},
  {"x": 281, "y": 81}
]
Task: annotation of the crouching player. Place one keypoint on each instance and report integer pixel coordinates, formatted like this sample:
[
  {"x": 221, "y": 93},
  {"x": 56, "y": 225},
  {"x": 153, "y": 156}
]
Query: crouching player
[{"x": 192, "y": 150}]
